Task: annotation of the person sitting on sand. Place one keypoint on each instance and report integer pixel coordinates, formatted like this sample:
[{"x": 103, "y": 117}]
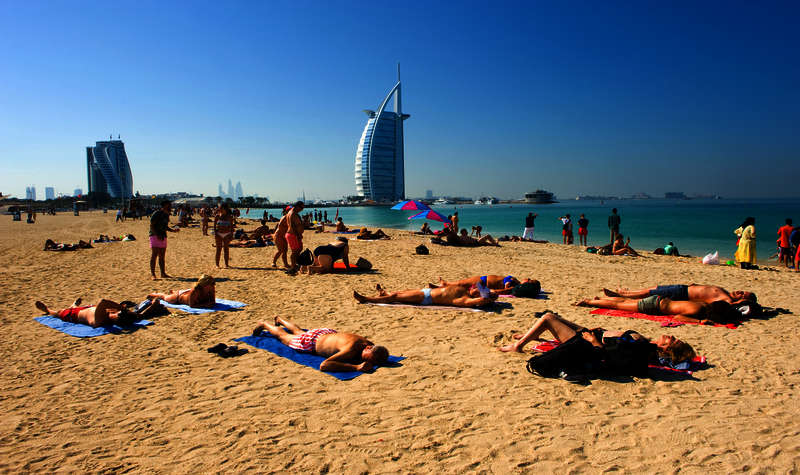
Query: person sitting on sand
[
  {"x": 476, "y": 231},
  {"x": 424, "y": 229},
  {"x": 565, "y": 331},
  {"x": 493, "y": 282},
  {"x": 683, "y": 311},
  {"x": 620, "y": 248},
  {"x": 259, "y": 232},
  {"x": 340, "y": 227},
  {"x": 343, "y": 351},
  {"x": 694, "y": 292},
  {"x": 368, "y": 235},
  {"x": 485, "y": 240},
  {"x": 325, "y": 256},
  {"x": 454, "y": 295},
  {"x": 202, "y": 295},
  {"x": 103, "y": 314}
]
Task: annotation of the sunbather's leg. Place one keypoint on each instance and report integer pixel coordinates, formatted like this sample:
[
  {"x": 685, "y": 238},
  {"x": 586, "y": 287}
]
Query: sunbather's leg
[
  {"x": 44, "y": 308},
  {"x": 275, "y": 331},
  {"x": 631, "y": 294},
  {"x": 294, "y": 329},
  {"x": 616, "y": 303},
  {"x": 560, "y": 328},
  {"x": 405, "y": 296},
  {"x": 171, "y": 297}
]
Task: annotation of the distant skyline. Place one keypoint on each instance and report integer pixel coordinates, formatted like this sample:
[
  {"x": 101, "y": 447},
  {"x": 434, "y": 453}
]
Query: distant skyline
[{"x": 578, "y": 98}]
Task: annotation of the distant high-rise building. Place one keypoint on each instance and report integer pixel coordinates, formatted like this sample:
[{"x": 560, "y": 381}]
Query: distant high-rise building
[
  {"x": 380, "y": 168},
  {"x": 428, "y": 194},
  {"x": 108, "y": 169},
  {"x": 77, "y": 192},
  {"x": 49, "y": 193},
  {"x": 237, "y": 192},
  {"x": 30, "y": 193},
  {"x": 230, "y": 189},
  {"x": 221, "y": 193}
]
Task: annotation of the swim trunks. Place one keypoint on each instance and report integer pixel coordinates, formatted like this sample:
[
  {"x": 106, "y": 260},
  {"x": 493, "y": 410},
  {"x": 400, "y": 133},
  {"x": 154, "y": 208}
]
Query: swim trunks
[
  {"x": 157, "y": 242},
  {"x": 70, "y": 314},
  {"x": 294, "y": 243},
  {"x": 582, "y": 232},
  {"x": 307, "y": 342},
  {"x": 672, "y": 292},
  {"x": 507, "y": 280},
  {"x": 650, "y": 305},
  {"x": 427, "y": 299},
  {"x": 483, "y": 279}
]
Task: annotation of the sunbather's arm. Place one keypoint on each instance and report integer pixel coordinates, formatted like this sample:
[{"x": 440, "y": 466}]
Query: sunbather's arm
[
  {"x": 338, "y": 362},
  {"x": 471, "y": 302}
]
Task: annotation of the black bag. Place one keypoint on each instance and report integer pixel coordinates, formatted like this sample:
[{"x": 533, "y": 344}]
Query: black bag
[
  {"x": 626, "y": 356},
  {"x": 575, "y": 356},
  {"x": 421, "y": 249}
]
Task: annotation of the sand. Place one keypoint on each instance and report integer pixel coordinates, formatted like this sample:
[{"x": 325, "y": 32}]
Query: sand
[{"x": 157, "y": 401}]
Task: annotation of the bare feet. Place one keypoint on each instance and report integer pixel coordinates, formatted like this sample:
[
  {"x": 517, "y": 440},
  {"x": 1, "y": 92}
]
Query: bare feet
[
  {"x": 166, "y": 276},
  {"x": 583, "y": 303},
  {"x": 77, "y": 302},
  {"x": 509, "y": 348},
  {"x": 153, "y": 277},
  {"x": 359, "y": 297},
  {"x": 381, "y": 290},
  {"x": 611, "y": 293},
  {"x": 41, "y": 306}
]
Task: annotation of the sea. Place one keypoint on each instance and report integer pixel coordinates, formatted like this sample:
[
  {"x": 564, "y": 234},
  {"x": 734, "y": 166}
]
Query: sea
[{"x": 697, "y": 226}]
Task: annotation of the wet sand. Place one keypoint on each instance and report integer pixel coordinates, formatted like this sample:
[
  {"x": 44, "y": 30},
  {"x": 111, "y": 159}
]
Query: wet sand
[{"x": 156, "y": 401}]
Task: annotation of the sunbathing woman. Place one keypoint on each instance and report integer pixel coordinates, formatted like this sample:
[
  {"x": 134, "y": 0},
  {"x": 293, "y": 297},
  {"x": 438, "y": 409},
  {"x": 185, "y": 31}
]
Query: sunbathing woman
[
  {"x": 257, "y": 242},
  {"x": 340, "y": 227},
  {"x": 686, "y": 311},
  {"x": 368, "y": 235},
  {"x": 453, "y": 295},
  {"x": 50, "y": 245},
  {"x": 425, "y": 229},
  {"x": 564, "y": 330},
  {"x": 623, "y": 248},
  {"x": 104, "y": 313},
  {"x": 224, "y": 223},
  {"x": 202, "y": 295},
  {"x": 325, "y": 256},
  {"x": 494, "y": 282}
]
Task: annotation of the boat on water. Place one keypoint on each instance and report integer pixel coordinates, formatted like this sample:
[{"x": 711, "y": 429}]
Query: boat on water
[
  {"x": 486, "y": 200},
  {"x": 444, "y": 201},
  {"x": 540, "y": 197}
]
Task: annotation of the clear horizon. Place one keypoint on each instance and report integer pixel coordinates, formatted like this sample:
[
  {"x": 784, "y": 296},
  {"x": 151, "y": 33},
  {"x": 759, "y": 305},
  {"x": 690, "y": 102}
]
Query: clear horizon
[{"x": 576, "y": 98}]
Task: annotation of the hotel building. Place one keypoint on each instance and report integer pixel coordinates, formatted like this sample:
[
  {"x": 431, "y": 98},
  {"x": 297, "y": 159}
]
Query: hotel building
[{"x": 108, "y": 169}]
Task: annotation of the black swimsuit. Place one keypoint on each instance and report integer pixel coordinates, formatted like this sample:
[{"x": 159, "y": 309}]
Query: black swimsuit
[{"x": 336, "y": 252}]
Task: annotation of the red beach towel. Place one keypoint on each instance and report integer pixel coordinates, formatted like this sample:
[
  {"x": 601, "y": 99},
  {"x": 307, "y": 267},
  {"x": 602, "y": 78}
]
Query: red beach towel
[{"x": 665, "y": 320}]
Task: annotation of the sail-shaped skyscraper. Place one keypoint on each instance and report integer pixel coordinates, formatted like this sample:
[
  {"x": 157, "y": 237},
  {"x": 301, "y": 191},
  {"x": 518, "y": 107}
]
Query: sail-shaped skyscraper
[
  {"x": 380, "y": 168},
  {"x": 108, "y": 169}
]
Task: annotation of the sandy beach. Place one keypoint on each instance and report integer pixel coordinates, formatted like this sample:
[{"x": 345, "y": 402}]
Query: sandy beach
[{"x": 156, "y": 401}]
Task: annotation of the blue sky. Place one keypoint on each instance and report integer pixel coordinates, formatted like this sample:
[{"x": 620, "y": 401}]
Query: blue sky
[{"x": 506, "y": 97}]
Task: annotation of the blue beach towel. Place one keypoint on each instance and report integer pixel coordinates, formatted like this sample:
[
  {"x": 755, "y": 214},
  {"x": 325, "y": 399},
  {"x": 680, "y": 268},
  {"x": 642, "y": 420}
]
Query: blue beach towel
[
  {"x": 273, "y": 345},
  {"x": 221, "y": 306},
  {"x": 85, "y": 331}
]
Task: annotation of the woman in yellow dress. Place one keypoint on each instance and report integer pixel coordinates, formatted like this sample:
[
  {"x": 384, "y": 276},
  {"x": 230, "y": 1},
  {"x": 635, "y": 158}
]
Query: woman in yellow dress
[{"x": 746, "y": 254}]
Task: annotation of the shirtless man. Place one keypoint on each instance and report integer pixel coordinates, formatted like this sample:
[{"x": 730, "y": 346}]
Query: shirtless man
[
  {"x": 694, "y": 292},
  {"x": 485, "y": 240},
  {"x": 202, "y": 295},
  {"x": 294, "y": 233},
  {"x": 683, "y": 311},
  {"x": 280, "y": 241},
  {"x": 343, "y": 351},
  {"x": 494, "y": 282},
  {"x": 103, "y": 314},
  {"x": 455, "y": 296}
]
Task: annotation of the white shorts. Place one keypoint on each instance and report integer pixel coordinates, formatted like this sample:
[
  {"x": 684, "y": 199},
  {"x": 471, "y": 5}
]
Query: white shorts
[{"x": 528, "y": 233}]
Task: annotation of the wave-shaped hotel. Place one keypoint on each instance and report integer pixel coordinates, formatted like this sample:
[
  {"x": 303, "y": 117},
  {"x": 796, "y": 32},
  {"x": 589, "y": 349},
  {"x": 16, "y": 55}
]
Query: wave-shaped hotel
[
  {"x": 108, "y": 169},
  {"x": 379, "y": 170}
]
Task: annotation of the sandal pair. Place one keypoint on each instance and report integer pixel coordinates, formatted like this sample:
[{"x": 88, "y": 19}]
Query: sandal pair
[{"x": 226, "y": 351}]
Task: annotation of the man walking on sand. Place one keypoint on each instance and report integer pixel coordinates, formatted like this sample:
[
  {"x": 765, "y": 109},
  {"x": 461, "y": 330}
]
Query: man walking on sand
[
  {"x": 294, "y": 234},
  {"x": 527, "y": 233},
  {"x": 613, "y": 223}
]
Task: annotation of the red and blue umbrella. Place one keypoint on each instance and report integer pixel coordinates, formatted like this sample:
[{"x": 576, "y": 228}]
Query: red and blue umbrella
[
  {"x": 430, "y": 214},
  {"x": 411, "y": 204}
]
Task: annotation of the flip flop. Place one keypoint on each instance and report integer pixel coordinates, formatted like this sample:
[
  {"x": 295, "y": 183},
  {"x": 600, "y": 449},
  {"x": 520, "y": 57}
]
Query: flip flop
[
  {"x": 232, "y": 351},
  {"x": 218, "y": 348}
]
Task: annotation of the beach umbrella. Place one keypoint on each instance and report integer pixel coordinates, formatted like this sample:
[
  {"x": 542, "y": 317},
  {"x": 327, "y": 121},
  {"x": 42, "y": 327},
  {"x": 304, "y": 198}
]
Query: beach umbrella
[
  {"x": 430, "y": 214},
  {"x": 411, "y": 204}
]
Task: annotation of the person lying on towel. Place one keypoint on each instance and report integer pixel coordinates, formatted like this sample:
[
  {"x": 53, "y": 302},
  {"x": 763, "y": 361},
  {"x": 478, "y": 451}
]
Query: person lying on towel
[
  {"x": 683, "y": 311},
  {"x": 493, "y": 282},
  {"x": 104, "y": 313},
  {"x": 584, "y": 349},
  {"x": 452, "y": 295},
  {"x": 343, "y": 351},
  {"x": 202, "y": 295},
  {"x": 693, "y": 292}
]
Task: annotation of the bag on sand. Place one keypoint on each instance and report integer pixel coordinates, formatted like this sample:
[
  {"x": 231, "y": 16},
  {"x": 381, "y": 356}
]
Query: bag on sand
[
  {"x": 711, "y": 259},
  {"x": 421, "y": 249},
  {"x": 575, "y": 356},
  {"x": 363, "y": 264}
]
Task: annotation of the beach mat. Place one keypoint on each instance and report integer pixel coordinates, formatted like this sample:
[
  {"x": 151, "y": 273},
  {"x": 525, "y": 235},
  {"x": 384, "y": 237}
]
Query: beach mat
[
  {"x": 339, "y": 267},
  {"x": 220, "y": 306},
  {"x": 665, "y": 320},
  {"x": 542, "y": 296},
  {"x": 492, "y": 308},
  {"x": 687, "y": 367},
  {"x": 265, "y": 341},
  {"x": 80, "y": 330}
]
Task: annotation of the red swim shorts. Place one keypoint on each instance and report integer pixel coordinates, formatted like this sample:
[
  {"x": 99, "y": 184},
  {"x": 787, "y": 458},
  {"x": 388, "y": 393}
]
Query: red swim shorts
[
  {"x": 583, "y": 232},
  {"x": 294, "y": 243}
]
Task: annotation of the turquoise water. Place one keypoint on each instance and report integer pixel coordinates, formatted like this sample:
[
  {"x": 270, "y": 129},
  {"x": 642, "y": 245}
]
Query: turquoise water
[{"x": 696, "y": 227}]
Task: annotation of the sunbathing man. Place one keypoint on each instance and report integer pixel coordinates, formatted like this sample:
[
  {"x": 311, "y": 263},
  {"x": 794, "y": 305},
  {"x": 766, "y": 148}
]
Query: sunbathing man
[
  {"x": 103, "y": 314},
  {"x": 202, "y": 295},
  {"x": 453, "y": 295},
  {"x": 694, "y": 292},
  {"x": 368, "y": 235},
  {"x": 343, "y": 351},
  {"x": 685, "y": 311}
]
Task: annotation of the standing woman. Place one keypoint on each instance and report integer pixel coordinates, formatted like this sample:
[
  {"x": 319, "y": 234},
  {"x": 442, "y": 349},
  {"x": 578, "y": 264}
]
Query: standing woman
[
  {"x": 224, "y": 223},
  {"x": 746, "y": 254},
  {"x": 279, "y": 236},
  {"x": 159, "y": 226}
]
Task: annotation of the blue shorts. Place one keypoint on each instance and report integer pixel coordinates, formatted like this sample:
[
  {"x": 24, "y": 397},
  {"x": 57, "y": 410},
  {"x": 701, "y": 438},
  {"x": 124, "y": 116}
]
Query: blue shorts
[
  {"x": 426, "y": 300},
  {"x": 672, "y": 292}
]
